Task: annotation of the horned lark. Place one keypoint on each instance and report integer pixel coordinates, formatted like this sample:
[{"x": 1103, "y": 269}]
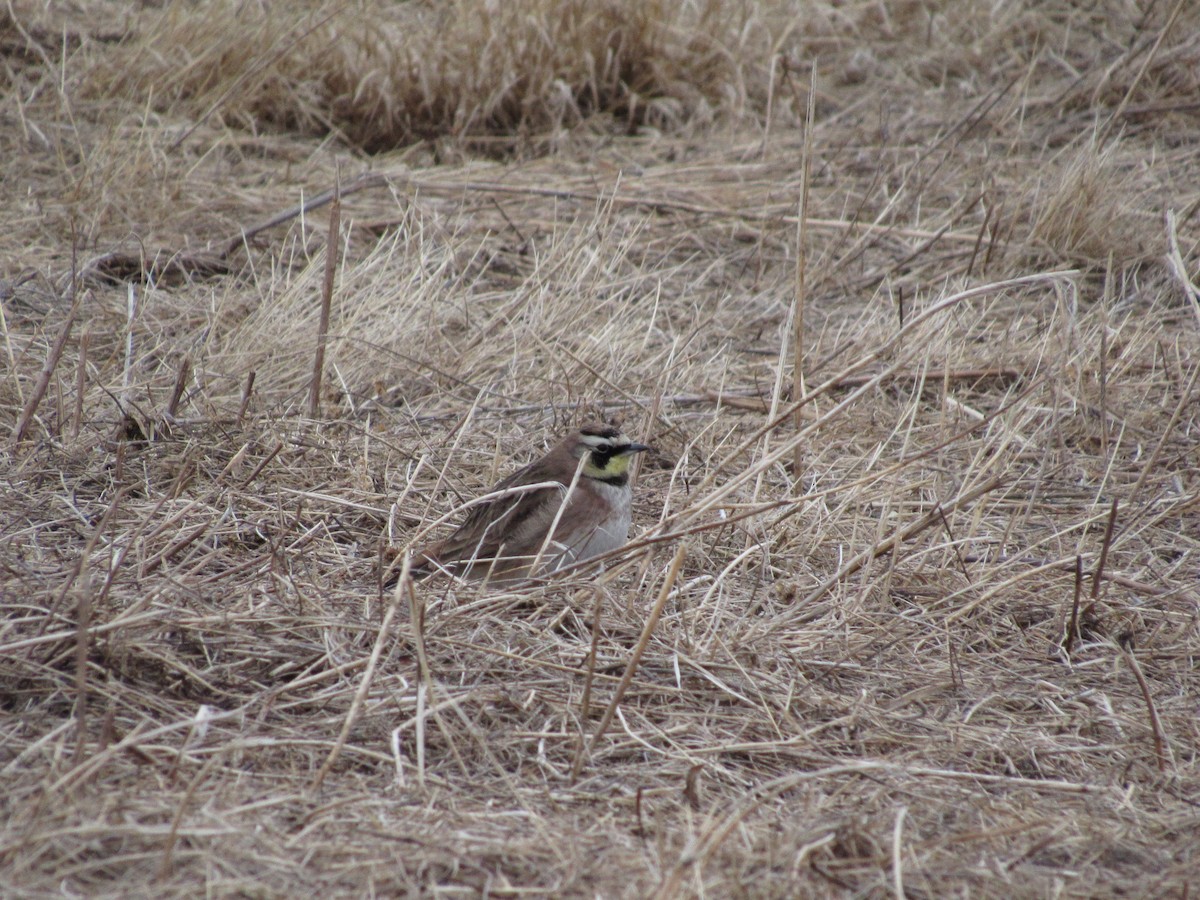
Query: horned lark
[{"x": 570, "y": 505}]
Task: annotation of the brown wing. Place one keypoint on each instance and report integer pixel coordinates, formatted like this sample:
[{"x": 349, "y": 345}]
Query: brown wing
[{"x": 502, "y": 526}]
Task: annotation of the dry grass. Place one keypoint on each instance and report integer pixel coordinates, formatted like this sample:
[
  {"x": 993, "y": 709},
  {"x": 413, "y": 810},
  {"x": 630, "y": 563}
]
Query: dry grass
[
  {"x": 864, "y": 680},
  {"x": 386, "y": 73}
]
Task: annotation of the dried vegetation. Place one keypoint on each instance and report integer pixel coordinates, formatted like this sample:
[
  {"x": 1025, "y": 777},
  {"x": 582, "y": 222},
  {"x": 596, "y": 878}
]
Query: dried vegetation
[{"x": 929, "y": 619}]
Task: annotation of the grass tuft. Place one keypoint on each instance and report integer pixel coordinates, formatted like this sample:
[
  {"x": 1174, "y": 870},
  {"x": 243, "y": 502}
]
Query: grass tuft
[{"x": 385, "y": 75}]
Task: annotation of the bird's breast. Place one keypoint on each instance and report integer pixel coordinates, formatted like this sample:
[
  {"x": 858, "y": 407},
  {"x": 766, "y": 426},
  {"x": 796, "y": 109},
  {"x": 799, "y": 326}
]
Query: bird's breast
[{"x": 605, "y": 515}]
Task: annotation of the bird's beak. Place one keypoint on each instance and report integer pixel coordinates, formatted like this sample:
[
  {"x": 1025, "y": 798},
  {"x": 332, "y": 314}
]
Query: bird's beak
[{"x": 636, "y": 448}]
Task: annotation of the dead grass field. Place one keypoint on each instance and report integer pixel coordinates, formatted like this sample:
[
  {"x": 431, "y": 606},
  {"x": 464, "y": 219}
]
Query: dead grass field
[{"x": 930, "y": 612}]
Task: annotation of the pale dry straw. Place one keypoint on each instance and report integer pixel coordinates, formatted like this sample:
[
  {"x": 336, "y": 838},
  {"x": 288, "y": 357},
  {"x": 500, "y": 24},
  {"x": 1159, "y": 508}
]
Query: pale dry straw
[{"x": 905, "y": 646}]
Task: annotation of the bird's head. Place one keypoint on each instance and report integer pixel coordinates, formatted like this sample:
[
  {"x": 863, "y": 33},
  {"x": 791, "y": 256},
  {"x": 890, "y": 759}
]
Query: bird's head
[{"x": 608, "y": 451}]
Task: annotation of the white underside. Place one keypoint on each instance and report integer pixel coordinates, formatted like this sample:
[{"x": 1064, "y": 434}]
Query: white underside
[
  {"x": 570, "y": 544},
  {"x": 603, "y": 536}
]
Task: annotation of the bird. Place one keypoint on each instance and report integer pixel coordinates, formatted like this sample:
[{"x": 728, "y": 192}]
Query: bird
[{"x": 572, "y": 504}]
